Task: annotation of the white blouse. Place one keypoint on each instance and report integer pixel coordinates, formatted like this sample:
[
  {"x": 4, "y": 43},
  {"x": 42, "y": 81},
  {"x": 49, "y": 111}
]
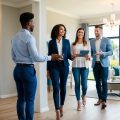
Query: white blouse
[{"x": 80, "y": 62}]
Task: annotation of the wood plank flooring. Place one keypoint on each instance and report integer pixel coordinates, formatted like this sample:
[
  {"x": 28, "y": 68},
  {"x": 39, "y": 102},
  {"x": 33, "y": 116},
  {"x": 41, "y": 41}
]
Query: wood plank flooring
[{"x": 90, "y": 112}]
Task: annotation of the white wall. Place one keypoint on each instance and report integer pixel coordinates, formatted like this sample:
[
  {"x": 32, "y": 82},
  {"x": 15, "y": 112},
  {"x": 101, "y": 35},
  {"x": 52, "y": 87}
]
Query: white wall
[{"x": 71, "y": 24}]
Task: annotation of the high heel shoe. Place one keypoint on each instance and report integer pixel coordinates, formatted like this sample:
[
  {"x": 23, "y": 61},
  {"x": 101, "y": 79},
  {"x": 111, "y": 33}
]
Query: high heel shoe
[
  {"x": 57, "y": 114},
  {"x": 98, "y": 102},
  {"x": 78, "y": 106},
  {"x": 61, "y": 111},
  {"x": 84, "y": 100}
]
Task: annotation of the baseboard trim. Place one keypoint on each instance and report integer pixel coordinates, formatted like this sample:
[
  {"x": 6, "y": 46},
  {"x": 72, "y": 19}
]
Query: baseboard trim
[{"x": 9, "y": 95}]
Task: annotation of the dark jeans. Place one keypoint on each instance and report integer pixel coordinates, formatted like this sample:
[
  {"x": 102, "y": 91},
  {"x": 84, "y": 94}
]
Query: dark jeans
[
  {"x": 80, "y": 74},
  {"x": 101, "y": 76},
  {"x": 59, "y": 77},
  {"x": 26, "y": 82}
]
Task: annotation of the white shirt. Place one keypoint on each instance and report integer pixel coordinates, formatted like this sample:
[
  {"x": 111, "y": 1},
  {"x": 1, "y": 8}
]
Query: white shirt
[
  {"x": 59, "y": 46},
  {"x": 98, "y": 43},
  {"x": 80, "y": 62}
]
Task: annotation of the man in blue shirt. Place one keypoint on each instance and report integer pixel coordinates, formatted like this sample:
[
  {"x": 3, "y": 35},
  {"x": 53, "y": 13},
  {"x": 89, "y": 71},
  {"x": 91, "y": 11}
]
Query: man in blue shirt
[{"x": 24, "y": 54}]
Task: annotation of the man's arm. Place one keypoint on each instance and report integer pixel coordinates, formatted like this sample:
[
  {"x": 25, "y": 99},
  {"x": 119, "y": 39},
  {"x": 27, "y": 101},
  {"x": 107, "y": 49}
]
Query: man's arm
[
  {"x": 109, "y": 49},
  {"x": 37, "y": 57}
]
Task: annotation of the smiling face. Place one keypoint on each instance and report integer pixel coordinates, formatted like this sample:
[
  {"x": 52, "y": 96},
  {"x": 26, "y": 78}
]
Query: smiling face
[
  {"x": 80, "y": 34},
  {"x": 98, "y": 32},
  {"x": 61, "y": 31}
]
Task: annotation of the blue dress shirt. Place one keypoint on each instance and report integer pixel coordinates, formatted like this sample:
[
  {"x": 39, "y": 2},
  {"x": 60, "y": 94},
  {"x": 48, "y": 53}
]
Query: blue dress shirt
[{"x": 24, "y": 49}]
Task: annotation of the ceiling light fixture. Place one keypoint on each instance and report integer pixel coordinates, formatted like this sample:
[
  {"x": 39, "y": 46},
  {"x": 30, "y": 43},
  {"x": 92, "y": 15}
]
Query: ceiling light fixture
[{"x": 112, "y": 21}]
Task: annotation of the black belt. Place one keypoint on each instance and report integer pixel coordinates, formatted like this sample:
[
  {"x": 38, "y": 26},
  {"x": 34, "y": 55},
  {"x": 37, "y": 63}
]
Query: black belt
[
  {"x": 23, "y": 65},
  {"x": 97, "y": 61}
]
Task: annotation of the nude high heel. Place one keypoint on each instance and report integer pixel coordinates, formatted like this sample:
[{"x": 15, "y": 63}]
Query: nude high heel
[
  {"x": 84, "y": 100},
  {"x": 61, "y": 111},
  {"x": 78, "y": 106},
  {"x": 57, "y": 114}
]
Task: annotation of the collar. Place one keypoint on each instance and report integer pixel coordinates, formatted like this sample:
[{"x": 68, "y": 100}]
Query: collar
[
  {"x": 59, "y": 41},
  {"x": 25, "y": 30}
]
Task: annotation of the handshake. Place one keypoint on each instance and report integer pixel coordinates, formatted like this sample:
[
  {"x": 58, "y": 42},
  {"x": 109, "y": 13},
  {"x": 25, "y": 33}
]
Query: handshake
[{"x": 56, "y": 57}]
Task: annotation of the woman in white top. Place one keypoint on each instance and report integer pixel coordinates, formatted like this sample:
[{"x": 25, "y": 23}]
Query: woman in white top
[{"x": 80, "y": 66}]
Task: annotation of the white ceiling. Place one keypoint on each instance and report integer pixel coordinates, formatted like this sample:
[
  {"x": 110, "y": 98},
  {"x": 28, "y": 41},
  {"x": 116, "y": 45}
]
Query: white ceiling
[
  {"x": 84, "y": 8},
  {"x": 79, "y": 8}
]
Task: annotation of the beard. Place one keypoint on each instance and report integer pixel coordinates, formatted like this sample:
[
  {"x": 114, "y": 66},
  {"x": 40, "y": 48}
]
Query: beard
[
  {"x": 97, "y": 35},
  {"x": 31, "y": 29}
]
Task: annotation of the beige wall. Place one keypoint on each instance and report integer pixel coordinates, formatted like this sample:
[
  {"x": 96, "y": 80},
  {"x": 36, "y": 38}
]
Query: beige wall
[
  {"x": 71, "y": 24},
  {"x": 1, "y": 59},
  {"x": 24, "y": 9},
  {"x": 10, "y": 26},
  {"x": 92, "y": 21}
]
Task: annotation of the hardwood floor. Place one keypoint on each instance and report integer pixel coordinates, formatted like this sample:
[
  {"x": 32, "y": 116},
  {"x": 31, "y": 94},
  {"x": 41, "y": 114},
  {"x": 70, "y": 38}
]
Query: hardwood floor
[{"x": 90, "y": 112}]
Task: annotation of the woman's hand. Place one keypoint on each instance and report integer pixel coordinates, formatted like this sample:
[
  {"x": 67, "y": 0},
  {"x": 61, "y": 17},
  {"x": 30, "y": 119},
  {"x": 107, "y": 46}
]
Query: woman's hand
[
  {"x": 87, "y": 57},
  {"x": 48, "y": 74},
  {"x": 74, "y": 56}
]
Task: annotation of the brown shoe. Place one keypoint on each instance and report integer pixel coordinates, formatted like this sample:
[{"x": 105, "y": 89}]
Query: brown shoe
[
  {"x": 98, "y": 102},
  {"x": 57, "y": 114},
  {"x": 103, "y": 105}
]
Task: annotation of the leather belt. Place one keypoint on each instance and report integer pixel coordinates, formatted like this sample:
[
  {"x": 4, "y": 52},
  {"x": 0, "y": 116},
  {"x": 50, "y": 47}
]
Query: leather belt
[
  {"x": 25, "y": 65},
  {"x": 97, "y": 62}
]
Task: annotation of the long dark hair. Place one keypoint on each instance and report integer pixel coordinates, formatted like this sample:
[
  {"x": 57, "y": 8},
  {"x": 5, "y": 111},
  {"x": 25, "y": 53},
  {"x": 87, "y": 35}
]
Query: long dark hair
[
  {"x": 55, "y": 31},
  {"x": 76, "y": 39}
]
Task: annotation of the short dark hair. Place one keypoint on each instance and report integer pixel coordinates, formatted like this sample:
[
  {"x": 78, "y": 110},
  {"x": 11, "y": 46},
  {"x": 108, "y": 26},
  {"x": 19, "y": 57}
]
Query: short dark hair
[
  {"x": 99, "y": 26},
  {"x": 55, "y": 31},
  {"x": 26, "y": 17}
]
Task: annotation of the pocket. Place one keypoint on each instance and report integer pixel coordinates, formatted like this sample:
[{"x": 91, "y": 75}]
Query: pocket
[
  {"x": 34, "y": 71},
  {"x": 30, "y": 71}
]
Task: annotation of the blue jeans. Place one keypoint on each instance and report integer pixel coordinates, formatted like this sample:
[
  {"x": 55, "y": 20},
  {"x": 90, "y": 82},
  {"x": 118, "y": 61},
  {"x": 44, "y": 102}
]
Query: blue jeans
[
  {"x": 59, "y": 76},
  {"x": 26, "y": 82},
  {"x": 101, "y": 76},
  {"x": 83, "y": 73}
]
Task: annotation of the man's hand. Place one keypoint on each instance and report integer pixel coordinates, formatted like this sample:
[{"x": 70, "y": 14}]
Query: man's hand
[
  {"x": 56, "y": 57},
  {"x": 99, "y": 53}
]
